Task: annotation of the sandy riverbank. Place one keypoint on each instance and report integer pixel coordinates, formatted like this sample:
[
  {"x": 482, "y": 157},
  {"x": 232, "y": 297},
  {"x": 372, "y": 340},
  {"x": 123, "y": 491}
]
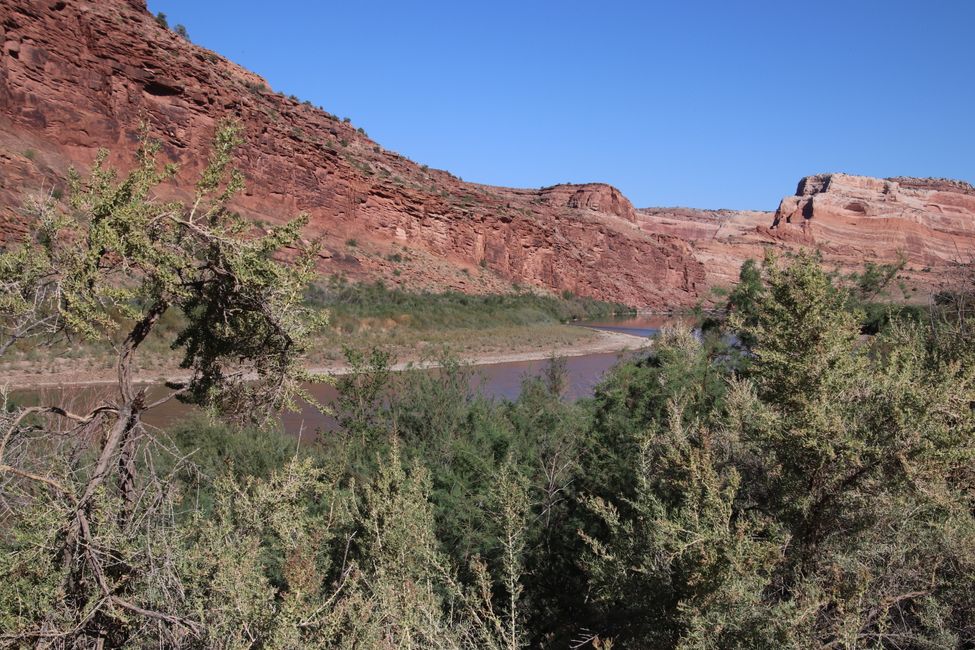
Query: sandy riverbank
[{"x": 601, "y": 342}]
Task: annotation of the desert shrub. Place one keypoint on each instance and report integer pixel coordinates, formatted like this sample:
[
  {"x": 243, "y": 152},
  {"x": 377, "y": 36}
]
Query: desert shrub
[
  {"x": 790, "y": 513},
  {"x": 107, "y": 268},
  {"x": 350, "y": 303},
  {"x": 777, "y": 481}
]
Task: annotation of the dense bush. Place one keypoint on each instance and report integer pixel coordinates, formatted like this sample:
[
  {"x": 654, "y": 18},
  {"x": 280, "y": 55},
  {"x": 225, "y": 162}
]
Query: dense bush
[
  {"x": 780, "y": 482},
  {"x": 349, "y": 304}
]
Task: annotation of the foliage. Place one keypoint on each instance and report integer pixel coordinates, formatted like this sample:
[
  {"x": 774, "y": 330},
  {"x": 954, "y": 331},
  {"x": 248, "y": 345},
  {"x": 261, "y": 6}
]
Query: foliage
[
  {"x": 876, "y": 277},
  {"x": 743, "y": 299},
  {"x": 780, "y": 481},
  {"x": 796, "y": 506},
  {"x": 108, "y": 268},
  {"x": 351, "y": 303}
]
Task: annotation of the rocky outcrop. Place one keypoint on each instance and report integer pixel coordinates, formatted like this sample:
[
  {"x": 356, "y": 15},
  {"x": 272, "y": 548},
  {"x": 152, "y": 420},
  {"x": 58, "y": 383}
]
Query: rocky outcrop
[
  {"x": 77, "y": 75},
  {"x": 596, "y": 197},
  {"x": 854, "y": 218},
  {"x": 849, "y": 220}
]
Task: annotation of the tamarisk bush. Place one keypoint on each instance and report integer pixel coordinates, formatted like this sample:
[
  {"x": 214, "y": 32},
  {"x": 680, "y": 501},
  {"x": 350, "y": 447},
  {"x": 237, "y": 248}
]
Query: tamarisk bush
[{"x": 91, "y": 539}]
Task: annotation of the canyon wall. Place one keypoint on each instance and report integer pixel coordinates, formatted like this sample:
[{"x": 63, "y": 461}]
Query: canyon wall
[
  {"x": 79, "y": 75},
  {"x": 848, "y": 220}
]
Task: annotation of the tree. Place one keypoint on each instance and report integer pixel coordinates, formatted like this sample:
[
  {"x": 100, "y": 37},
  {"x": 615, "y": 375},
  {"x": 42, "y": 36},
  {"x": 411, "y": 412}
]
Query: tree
[
  {"x": 676, "y": 551},
  {"x": 876, "y": 277},
  {"x": 106, "y": 268},
  {"x": 744, "y": 297},
  {"x": 825, "y": 501},
  {"x": 860, "y": 452}
]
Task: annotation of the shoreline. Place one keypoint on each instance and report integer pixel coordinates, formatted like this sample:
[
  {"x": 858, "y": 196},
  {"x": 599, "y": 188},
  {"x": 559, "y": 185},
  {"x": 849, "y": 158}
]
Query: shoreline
[{"x": 605, "y": 342}]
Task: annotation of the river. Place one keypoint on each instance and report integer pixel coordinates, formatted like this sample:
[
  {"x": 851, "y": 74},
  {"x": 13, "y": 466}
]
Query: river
[{"x": 495, "y": 380}]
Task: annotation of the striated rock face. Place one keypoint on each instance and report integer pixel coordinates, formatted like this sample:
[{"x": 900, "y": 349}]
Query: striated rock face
[
  {"x": 721, "y": 240},
  {"x": 849, "y": 220},
  {"x": 77, "y": 75},
  {"x": 930, "y": 221}
]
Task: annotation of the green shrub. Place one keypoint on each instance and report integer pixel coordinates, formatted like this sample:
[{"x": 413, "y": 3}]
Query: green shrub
[{"x": 350, "y": 303}]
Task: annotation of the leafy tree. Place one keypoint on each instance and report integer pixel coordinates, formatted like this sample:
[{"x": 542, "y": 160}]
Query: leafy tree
[
  {"x": 876, "y": 277},
  {"x": 743, "y": 299},
  {"x": 852, "y": 448},
  {"x": 825, "y": 501},
  {"x": 637, "y": 395},
  {"x": 108, "y": 269},
  {"x": 676, "y": 553}
]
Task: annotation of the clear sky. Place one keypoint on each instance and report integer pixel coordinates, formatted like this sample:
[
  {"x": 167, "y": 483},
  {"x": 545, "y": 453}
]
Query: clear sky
[{"x": 724, "y": 103}]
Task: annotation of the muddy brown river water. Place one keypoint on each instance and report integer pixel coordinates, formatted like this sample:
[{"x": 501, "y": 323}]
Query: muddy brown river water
[{"x": 497, "y": 380}]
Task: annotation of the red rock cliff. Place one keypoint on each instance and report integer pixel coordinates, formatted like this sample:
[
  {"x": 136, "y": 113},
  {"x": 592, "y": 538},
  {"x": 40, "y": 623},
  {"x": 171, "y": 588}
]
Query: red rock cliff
[
  {"x": 77, "y": 75},
  {"x": 849, "y": 220},
  {"x": 930, "y": 221}
]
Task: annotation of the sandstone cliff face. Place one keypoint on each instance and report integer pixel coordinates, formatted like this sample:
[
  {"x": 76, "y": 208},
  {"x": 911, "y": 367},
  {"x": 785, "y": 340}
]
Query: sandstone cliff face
[
  {"x": 77, "y": 75},
  {"x": 721, "y": 240},
  {"x": 849, "y": 220},
  {"x": 930, "y": 221},
  {"x": 595, "y": 197}
]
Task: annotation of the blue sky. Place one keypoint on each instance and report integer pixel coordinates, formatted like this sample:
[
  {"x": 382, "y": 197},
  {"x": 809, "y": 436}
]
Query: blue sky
[{"x": 705, "y": 104}]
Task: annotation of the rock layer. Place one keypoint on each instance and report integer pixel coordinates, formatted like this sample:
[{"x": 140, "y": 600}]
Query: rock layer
[
  {"x": 77, "y": 75},
  {"x": 849, "y": 220},
  {"x": 930, "y": 221}
]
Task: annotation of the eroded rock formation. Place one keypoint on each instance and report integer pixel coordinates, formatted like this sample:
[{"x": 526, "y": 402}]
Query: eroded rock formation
[
  {"x": 76, "y": 75},
  {"x": 849, "y": 220},
  {"x": 930, "y": 221}
]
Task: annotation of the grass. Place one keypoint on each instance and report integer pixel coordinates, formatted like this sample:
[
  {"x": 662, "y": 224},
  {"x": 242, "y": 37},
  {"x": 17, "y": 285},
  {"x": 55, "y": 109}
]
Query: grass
[
  {"x": 350, "y": 304},
  {"x": 410, "y": 325}
]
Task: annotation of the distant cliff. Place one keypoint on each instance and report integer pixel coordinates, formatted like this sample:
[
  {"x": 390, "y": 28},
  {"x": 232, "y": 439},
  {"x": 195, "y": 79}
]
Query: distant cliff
[{"x": 849, "y": 220}]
